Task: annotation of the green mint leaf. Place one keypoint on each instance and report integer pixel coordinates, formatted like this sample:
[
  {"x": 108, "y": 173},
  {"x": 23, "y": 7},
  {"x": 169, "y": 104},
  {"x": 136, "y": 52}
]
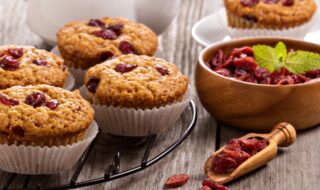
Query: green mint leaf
[
  {"x": 266, "y": 57},
  {"x": 281, "y": 51},
  {"x": 299, "y": 62}
]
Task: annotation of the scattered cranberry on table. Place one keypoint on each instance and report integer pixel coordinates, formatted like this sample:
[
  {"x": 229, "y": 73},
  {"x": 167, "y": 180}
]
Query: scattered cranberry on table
[
  {"x": 208, "y": 183},
  {"x": 236, "y": 152},
  {"x": 177, "y": 180}
]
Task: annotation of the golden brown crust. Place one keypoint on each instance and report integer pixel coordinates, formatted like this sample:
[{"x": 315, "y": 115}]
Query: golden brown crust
[
  {"x": 24, "y": 124},
  {"x": 271, "y": 16},
  {"x": 144, "y": 87},
  {"x": 81, "y": 49},
  {"x": 54, "y": 74}
]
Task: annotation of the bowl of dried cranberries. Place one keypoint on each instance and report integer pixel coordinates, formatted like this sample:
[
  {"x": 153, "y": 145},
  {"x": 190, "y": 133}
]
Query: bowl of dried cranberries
[{"x": 255, "y": 83}]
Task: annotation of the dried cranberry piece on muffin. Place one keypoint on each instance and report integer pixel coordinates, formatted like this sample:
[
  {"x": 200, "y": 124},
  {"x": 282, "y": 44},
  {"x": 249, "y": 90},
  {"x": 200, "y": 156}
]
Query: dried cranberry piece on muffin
[
  {"x": 81, "y": 43},
  {"x": 26, "y": 65},
  {"x": 135, "y": 81},
  {"x": 269, "y": 14},
  {"x": 45, "y": 116}
]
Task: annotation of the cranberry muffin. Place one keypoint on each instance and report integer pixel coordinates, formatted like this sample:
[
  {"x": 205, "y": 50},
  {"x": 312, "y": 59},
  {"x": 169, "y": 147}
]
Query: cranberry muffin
[
  {"x": 269, "y": 14},
  {"x": 26, "y": 65},
  {"x": 43, "y": 115},
  {"x": 134, "y": 81},
  {"x": 85, "y": 43}
]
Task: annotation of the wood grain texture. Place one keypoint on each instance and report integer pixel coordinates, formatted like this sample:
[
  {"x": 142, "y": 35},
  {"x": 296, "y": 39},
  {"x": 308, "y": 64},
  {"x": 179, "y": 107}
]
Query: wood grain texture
[{"x": 295, "y": 168}]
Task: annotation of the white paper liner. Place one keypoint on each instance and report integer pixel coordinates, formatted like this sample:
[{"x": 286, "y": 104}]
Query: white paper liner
[
  {"x": 132, "y": 122},
  {"x": 36, "y": 160},
  {"x": 78, "y": 75},
  {"x": 298, "y": 32},
  {"x": 69, "y": 83}
]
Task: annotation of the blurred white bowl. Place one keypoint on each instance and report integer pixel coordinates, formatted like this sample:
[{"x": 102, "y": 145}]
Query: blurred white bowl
[{"x": 45, "y": 17}]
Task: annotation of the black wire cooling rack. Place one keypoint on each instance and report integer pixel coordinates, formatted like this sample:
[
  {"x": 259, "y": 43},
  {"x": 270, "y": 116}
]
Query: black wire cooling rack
[{"x": 113, "y": 171}]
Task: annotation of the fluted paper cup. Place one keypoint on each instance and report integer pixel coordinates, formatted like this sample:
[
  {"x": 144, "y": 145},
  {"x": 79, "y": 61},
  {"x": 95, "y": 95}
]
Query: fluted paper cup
[
  {"x": 44, "y": 160},
  {"x": 138, "y": 122},
  {"x": 69, "y": 83}
]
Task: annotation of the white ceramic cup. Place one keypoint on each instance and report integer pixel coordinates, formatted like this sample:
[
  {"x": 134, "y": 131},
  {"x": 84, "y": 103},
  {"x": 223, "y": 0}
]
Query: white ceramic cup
[{"x": 45, "y": 17}]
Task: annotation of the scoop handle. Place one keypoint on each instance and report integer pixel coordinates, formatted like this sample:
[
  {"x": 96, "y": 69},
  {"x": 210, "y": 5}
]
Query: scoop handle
[{"x": 284, "y": 134}]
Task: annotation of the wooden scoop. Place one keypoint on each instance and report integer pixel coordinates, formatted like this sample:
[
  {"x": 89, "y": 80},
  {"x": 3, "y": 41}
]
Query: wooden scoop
[{"x": 283, "y": 134}]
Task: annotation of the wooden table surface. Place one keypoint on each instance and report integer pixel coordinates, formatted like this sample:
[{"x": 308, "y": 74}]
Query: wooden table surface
[{"x": 294, "y": 168}]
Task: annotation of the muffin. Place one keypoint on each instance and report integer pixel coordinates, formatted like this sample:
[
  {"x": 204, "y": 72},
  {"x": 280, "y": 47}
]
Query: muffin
[
  {"x": 43, "y": 115},
  {"x": 85, "y": 43},
  {"x": 269, "y": 14},
  {"x": 132, "y": 81},
  {"x": 136, "y": 95},
  {"x": 26, "y": 65}
]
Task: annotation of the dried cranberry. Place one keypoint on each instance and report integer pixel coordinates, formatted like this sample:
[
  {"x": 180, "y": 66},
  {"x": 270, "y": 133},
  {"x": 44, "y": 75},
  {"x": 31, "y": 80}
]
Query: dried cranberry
[
  {"x": 247, "y": 63},
  {"x": 106, "y": 56},
  {"x": 206, "y": 188},
  {"x": 270, "y": 1},
  {"x": 177, "y": 180},
  {"x": 218, "y": 59},
  {"x": 162, "y": 70},
  {"x": 124, "y": 68},
  {"x": 93, "y": 84},
  {"x": 96, "y": 22},
  {"x": 238, "y": 51},
  {"x": 9, "y": 63},
  {"x": 213, "y": 185},
  {"x": 223, "y": 72},
  {"x": 313, "y": 74},
  {"x": 15, "y": 52},
  {"x": 287, "y": 2},
  {"x": 249, "y": 3},
  {"x": 261, "y": 73},
  {"x": 19, "y": 131},
  {"x": 8, "y": 101},
  {"x": 53, "y": 104},
  {"x": 127, "y": 48},
  {"x": 35, "y": 99},
  {"x": 117, "y": 28},
  {"x": 106, "y": 34},
  {"x": 286, "y": 81},
  {"x": 236, "y": 152},
  {"x": 40, "y": 62}
]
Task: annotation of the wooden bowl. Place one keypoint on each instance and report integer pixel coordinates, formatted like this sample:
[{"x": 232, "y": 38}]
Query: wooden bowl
[{"x": 257, "y": 107}]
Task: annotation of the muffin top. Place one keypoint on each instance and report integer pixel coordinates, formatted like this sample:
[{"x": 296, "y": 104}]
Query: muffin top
[
  {"x": 32, "y": 113},
  {"x": 88, "y": 42},
  {"x": 134, "y": 81},
  {"x": 273, "y": 12},
  {"x": 26, "y": 65}
]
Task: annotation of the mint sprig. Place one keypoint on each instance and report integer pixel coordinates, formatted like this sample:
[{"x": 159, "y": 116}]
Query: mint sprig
[{"x": 297, "y": 62}]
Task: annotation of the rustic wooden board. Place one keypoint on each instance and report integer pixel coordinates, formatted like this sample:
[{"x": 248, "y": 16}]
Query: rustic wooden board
[{"x": 295, "y": 168}]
